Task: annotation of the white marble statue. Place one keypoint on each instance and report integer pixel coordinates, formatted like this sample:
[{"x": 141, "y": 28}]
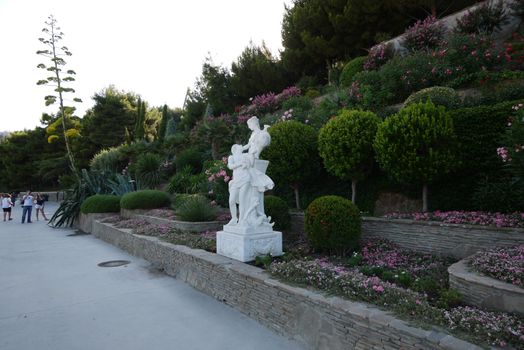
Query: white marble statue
[
  {"x": 250, "y": 232},
  {"x": 249, "y": 179}
]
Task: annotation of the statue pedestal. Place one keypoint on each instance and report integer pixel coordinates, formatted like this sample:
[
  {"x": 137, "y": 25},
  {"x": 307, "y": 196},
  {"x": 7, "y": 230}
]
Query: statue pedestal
[{"x": 246, "y": 243}]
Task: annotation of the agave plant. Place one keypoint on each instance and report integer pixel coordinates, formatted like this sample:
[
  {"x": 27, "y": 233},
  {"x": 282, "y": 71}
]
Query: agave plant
[{"x": 89, "y": 183}]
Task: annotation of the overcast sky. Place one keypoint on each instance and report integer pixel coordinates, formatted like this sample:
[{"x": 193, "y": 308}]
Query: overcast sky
[{"x": 154, "y": 48}]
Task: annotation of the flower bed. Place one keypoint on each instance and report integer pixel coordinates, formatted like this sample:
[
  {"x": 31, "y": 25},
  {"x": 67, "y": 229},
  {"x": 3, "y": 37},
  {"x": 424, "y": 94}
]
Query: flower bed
[
  {"x": 504, "y": 264},
  {"x": 412, "y": 285},
  {"x": 465, "y": 217},
  {"x": 168, "y": 232}
]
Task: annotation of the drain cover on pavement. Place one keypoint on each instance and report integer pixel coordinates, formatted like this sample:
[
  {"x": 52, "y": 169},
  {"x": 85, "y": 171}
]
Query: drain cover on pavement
[{"x": 114, "y": 263}]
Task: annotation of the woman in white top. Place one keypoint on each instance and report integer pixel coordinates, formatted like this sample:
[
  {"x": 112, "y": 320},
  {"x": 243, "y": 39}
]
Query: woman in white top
[{"x": 6, "y": 206}]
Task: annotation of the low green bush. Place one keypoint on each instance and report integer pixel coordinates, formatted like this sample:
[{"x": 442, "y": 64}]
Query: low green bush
[
  {"x": 147, "y": 169},
  {"x": 439, "y": 95},
  {"x": 333, "y": 225},
  {"x": 101, "y": 203},
  {"x": 196, "y": 208},
  {"x": 278, "y": 209},
  {"x": 184, "y": 182},
  {"x": 145, "y": 199},
  {"x": 351, "y": 68}
]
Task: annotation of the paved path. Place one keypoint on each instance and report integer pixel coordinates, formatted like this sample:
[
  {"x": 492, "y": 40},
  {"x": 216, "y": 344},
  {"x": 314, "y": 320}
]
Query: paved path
[{"x": 54, "y": 296}]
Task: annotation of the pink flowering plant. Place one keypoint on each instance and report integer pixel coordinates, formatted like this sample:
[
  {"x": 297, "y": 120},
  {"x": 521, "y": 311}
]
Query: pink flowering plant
[
  {"x": 498, "y": 329},
  {"x": 424, "y": 34},
  {"x": 269, "y": 102},
  {"x": 218, "y": 177},
  {"x": 503, "y": 263},
  {"x": 464, "y": 218},
  {"x": 377, "y": 57},
  {"x": 351, "y": 278}
]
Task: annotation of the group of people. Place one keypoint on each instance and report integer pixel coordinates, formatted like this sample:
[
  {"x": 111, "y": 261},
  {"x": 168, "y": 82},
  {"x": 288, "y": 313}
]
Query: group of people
[{"x": 27, "y": 202}]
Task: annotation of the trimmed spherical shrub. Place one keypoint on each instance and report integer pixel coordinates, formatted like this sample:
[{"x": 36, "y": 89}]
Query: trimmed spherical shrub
[
  {"x": 351, "y": 68},
  {"x": 146, "y": 199},
  {"x": 439, "y": 95},
  {"x": 333, "y": 225},
  {"x": 101, "y": 203},
  {"x": 278, "y": 209}
]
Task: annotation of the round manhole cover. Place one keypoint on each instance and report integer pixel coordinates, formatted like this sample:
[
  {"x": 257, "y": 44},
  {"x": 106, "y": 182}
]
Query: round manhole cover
[{"x": 114, "y": 263}]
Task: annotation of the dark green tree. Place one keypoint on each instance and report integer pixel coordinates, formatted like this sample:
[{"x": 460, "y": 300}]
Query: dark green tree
[
  {"x": 163, "y": 124},
  {"x": 255, "y": 72},
  {"x": 318, "y": 33},
  {"x": 140, "y": 120},
  {"x": 105, "y": 124},
  {"x": 214, "y": 85},
  {"x": 292, "y": 155},
  {"x": 417, "y": 145},
  {"x": 58, "y": 79},
  {"x": 345, "y": 144}
]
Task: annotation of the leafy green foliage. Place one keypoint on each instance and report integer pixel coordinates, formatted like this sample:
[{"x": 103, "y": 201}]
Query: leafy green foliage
[
  {"x": 292, "y": 154},
  {"x": 196, "y": 208},
  {"x": 345, "y": 143},
  {"x": 101, "y": 203},
  {"x": 333, "y": 225},
  {"x": 189, "y": 157},
  {"x": 351, "y": 68},
  {"x": 417, "y": 144},
  {"x": 145, "y": 199},
  {"x": 278, "y": 210},
  {"x": 109, "y": 160},
  {"x": 439, "y": 95},
  {"x": 147, "y": 169}
]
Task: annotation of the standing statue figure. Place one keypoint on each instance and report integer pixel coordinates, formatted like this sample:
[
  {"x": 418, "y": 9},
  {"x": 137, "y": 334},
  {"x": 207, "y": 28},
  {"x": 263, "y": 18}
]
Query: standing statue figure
[
  {"x": 259, "y": 138},
  {"x": 249, "y": 179}
]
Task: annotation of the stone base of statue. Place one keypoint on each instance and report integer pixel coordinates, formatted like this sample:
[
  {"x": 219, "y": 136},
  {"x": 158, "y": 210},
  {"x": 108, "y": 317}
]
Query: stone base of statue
[{"x": 245, "y": 243}]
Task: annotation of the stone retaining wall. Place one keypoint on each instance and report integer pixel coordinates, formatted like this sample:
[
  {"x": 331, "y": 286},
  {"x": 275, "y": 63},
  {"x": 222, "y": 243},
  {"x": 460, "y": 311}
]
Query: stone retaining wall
[
  {"x": 485, "y": 292},
  {"x": 180, "y": 225},
  {"x": 319, "y": 322},
  {"x": 433, "y": 237}
]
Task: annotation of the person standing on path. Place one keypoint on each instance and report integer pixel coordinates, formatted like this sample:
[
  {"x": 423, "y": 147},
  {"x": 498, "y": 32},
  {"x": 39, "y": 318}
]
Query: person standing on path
[
  {"x": 6, "y": 205},
  {"x": 39, "y": 206},
  {"x": 27, "y": 206}
]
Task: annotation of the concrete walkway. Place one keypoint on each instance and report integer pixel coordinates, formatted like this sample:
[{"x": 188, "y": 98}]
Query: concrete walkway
[{"x": 54, "y": 296}]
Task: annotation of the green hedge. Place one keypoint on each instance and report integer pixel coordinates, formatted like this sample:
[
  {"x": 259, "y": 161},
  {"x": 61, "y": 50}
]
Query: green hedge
[
  {"x": 101, "y": 203},
  {"x": 146, "y": 199},
  {"x": 479, "y": 132},
  {"x": 278, "y": 209},
  {"x": 333, "y": 225}
]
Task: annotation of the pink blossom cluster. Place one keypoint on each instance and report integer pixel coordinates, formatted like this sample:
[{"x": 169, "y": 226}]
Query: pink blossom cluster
[
  {"x": 465, "y": 217},
  {"x": 425, "y": 34},
  {"x": 287, "y": 115},
  {"x": 502, "y": 329},
  {"x": 220, "y": 174},
  {"x": 270, "y": 101},
  {"x": 503, "y": 153},
  {"x": 383, "y": 253},
  {"x": 224, "y": 217},
  {"x": 503, "y": 263},
  {"x": 376, "y": 57}
]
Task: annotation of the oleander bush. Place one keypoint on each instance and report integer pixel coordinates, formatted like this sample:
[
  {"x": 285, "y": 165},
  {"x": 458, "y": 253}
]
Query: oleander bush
[
  {"x": 101, "y": 203},
  {"x": 145, "y": 199},
  {"x": 278, "y": 209},
  {"x": 439, "y": 95},
  {"x": 333, "y": 225}
]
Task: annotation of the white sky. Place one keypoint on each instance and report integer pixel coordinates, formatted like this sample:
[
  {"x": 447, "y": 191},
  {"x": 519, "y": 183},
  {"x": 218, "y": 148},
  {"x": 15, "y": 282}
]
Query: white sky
[{"x": 154, "y": 48}]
